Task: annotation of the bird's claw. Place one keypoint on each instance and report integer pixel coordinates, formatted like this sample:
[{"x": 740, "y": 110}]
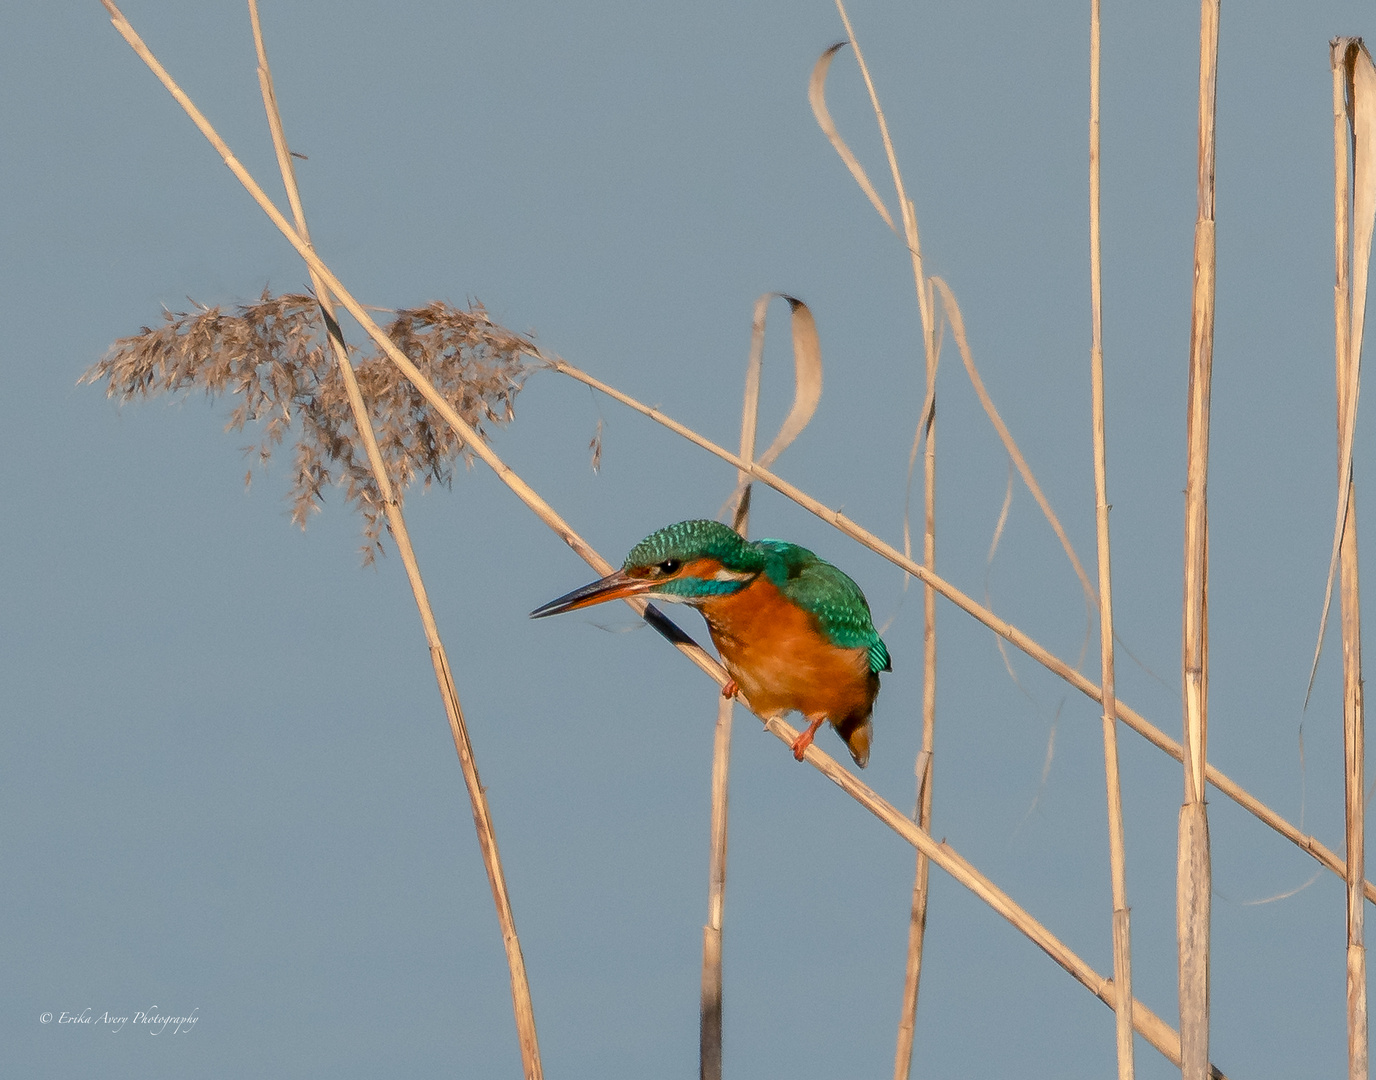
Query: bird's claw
[
  {"x": 803, "y": 741},
  {"x": 730, "y": 690}
]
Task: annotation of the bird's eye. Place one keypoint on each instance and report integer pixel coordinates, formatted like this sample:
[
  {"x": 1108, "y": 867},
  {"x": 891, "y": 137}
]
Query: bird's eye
[{"x": 669, "y": 566}]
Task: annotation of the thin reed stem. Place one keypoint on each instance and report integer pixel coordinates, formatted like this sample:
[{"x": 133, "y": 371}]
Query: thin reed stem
[
  {"x": 710, "y": 1007},
  {"x": 1019, "y": 461},
  {"x": 1193, "y": 872},
  {"x": 482, "y": 817},
  {"x": 1122, "y": 937},
  {"x": 1342, "y": 298},
  {"x": 710, "y": 1011},
  {"x": 923, "y": 766},
  {"x": 1352, "y": 80}
]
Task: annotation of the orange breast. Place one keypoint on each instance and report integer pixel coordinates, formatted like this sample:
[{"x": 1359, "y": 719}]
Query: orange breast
[{"x": 780, "y": 658}]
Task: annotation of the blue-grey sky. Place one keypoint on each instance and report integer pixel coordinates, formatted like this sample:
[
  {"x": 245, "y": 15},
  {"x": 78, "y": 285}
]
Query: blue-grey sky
[{"x": 226, "y": 781}]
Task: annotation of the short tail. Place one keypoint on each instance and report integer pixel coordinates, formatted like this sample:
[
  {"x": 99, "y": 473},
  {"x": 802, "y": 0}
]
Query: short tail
[{"x": 858, "y": 732}]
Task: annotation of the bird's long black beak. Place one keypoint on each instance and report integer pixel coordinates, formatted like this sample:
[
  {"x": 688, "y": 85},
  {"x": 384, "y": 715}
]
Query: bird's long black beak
[{"x": 615, "y": 586}]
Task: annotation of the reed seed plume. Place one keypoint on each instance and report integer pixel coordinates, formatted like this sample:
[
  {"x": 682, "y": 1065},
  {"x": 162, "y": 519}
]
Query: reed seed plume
[{"x": 272, "y": 355}]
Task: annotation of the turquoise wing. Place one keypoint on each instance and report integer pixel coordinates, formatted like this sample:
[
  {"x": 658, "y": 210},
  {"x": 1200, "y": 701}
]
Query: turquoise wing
[{"x": 828, "y": 594}]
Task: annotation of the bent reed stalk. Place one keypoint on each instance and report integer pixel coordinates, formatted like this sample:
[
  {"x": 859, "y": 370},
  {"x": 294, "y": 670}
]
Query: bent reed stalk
[{"x": 522, "y": 1004}]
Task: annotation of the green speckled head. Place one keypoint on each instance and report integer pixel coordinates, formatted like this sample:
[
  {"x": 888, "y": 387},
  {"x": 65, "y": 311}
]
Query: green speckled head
[
  {"x": 701, "y": 539},
  {"x": 681, "y": 543}
]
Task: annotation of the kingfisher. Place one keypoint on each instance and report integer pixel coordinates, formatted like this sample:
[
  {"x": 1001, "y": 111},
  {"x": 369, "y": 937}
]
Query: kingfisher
[{"x": 794, "y": 632}]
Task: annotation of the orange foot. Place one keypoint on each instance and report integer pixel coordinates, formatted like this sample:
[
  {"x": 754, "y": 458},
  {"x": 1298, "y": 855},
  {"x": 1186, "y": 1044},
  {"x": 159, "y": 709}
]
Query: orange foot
[
  {"x": 730, "y": 690},
  {"x": 803, "y": 741}
]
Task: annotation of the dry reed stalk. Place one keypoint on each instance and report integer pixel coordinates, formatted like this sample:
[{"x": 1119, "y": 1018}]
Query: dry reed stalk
[
  {"x": 522, "y": 1005},
  {"x": 817, "y": 97},
  {"x": 904, "y": 203},
  {"x": 1122, "y": 937},
  {"x": 710, "y": 1005},
  {"x": 1360, "y": 117},
  {"x": 1354, "y": 119},
  {"x": 1342, "y": 298},
  {"x": 709, "y": 1010},
  {"x": 923, "y": 765},
  {"x": 925, "y": 292},
  {"x": 1147, "y": 1024},
  {"x": 1019, "y": 461},
  {"x": 1193, "y": 872},
  {"x": 1005, "y": 630},
  {"x": 807, "y": 392},
  {"x": 807, "y": 362}
]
